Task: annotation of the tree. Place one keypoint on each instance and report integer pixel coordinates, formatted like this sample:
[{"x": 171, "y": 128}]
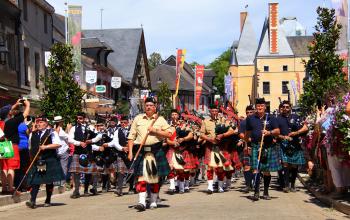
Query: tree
[
  {"x": 63, "y": 95},
  {"x": 164, "y": 99},
  {"x": 220, "y": 66},
  {"x": 194, "y": 64},
  {"x": 324, "y": 68},
  {"x": 154, "y": 60}
]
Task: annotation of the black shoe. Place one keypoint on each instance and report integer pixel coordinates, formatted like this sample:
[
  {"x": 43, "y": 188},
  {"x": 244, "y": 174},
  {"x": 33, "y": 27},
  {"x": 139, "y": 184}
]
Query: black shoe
[
  {"x": 171, "y": 191},
  {"x": 209, "y": 191},
  {"x": 47, "y": 204},
  {"x": 140, "y": 207},
  {"x": 118, "y": 192},
  {"x": 256, "y": 197},
  {"x": 75, "y": 196},
  {"x": 30, "y": 204},
  {"x": 187, "y": 190},
  {"x": 93, "y": 192},
  {"x": 266, "y": 197}
]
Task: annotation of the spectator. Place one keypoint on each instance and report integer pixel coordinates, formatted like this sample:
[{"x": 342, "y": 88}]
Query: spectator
[
  {"x": 23, "y": 132},
  {"x": 12, "y": 119}
]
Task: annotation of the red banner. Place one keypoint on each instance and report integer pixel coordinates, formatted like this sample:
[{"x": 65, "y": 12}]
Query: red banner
[{"x": 199, "y": 83}]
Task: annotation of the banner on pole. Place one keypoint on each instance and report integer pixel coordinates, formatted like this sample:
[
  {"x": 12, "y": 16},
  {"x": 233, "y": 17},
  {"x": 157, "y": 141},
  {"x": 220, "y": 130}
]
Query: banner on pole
[
  {"x": 74, "y": 33},
  {"x": 116, "y": 82},
  {"x": 180, "y": 61},
  {"x": 90, "y": 76},
  {"x": 199, "y": 83}
]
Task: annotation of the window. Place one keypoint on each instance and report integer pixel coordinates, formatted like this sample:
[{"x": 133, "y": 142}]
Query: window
[
  {"x": 25, "y": 10},
  {"x": 26, "y": 66},
  {"x": 45, "y": 23},
  {"x": 266, "y": 87},
  {"x": 266, "y": 68},
  {"x": 37, "y": 69},
  {"x": 285, "y": 68},
  {"x": 285, "y": 87},
  {"x": 12, "y": 51}
]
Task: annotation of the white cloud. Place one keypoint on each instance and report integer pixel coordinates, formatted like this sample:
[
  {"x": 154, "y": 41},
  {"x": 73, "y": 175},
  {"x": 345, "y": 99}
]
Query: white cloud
[{"x": 204, "y": 27}]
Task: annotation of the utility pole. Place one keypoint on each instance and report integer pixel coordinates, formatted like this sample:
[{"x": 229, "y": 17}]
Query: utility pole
[{"x": 101, "y": 16}]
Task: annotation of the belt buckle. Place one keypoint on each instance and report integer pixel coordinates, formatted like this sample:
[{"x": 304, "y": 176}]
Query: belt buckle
[{"x": 147, "y": 149}]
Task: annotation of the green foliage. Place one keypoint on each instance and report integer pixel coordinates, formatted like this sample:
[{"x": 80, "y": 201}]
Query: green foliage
[
  {"x": 324, "y": 67},
  {"x": 154, "y": 60},
  {"x": 220, "y": 66},
  {"x": 164, "y": 99},
  {"x": 63, "y": 95},
  {"x": 194, "y": 64},
  {"x": 123, "y": 107}
]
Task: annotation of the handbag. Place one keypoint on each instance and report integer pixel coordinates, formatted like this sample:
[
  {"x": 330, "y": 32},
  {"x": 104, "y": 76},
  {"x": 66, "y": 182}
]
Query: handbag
[{"x": 6, "y": 150}]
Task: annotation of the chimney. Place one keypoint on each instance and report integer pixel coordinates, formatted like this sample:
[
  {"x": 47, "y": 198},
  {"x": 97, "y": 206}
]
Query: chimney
[
  {"x": 243, "y": 16},
  {"x": 273, "y": 27}
]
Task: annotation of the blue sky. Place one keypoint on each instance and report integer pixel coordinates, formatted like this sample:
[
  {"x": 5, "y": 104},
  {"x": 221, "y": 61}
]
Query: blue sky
[{"x": 205, "y": 28}]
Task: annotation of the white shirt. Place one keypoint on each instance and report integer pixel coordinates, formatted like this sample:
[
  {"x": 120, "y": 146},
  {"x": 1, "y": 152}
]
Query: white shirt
[
  {"x": 1, "y": 133},
  {"x": 115, "y": 141},
  {"x": 64, "y": 142}
]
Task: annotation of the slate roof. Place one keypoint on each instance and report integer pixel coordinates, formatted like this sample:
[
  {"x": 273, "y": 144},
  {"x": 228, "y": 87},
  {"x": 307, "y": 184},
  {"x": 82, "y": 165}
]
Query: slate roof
[
  {"x": 59, "y": 23},
  {"x": 247, "y": 46},
  {"x": 299, "y": 45},
  {"x": 93, "y": 42},
  {"x": 125, "y": 43},
  {"x": 264, "y": 45}
]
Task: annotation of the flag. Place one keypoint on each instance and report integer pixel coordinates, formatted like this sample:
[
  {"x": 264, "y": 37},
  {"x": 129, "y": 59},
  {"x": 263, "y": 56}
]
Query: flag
[
  {"x": 74, "y": 34},
  {"x": 180, "y": 61},
  {"x": 199, "y": 83}
]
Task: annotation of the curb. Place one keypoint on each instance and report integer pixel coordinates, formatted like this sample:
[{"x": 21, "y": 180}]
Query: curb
[
  {"x": 8, "y": 200},
  {"x": 339, "y": 206}
]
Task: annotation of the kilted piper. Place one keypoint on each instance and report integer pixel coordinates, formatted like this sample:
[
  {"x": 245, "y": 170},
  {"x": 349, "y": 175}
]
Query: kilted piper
[
  {"x": 149, "y": 130},
  {"x": 213, "y": 131},
  {"x": 292, "y": 127},
  {"x": 46, "y": 168},
  {"x": 269, "y": 160}
]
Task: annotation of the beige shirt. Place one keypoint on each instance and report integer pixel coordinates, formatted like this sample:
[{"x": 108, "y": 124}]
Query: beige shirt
[
  {"x": 140, "y": 126},
  {"x": 209, "y": 125}
]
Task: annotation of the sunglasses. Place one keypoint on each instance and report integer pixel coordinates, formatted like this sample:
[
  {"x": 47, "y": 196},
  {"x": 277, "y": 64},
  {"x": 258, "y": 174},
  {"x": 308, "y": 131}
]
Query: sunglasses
[{"x": 285, "y": 106}]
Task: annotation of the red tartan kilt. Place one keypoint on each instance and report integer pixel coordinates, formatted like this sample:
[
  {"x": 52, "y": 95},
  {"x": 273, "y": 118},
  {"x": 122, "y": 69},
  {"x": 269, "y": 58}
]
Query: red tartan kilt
[
  {"x": 236, "y": 161},
  {"x": 227, "y": 156},
  {"x": 169, "y": 155},
  {"x": 189, "y": 159}
]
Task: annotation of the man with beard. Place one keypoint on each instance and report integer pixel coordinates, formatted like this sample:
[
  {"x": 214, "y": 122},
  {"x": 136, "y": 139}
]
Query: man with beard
[
  {"x": 213, "y": 131},
  {"x": 269, "y": 161},
  {"x": 291, "y": 127},
  {"x": 151, "y": 164}
]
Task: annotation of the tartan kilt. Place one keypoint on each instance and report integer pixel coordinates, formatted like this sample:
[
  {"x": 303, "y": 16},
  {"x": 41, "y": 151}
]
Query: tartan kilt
[
  {"x": 273, "y": 160},
  {"x": 163, "y": 168},
  {"x": 76, "y": 168},
  {"x": 53, "y": 174},
  {"x": 245, "y": 157},
  {"x": 120, "y": 165},
  {"x": 189, "y": 160},
  {"x": 297, "y": 158},
  {"x": 236, "y": 160},
  {"x": 110, "y": 169}
]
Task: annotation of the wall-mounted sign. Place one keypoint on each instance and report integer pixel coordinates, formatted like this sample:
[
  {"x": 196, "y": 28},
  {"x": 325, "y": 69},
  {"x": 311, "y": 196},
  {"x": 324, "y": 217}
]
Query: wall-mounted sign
[
  {"x": 116, "y": 82},
  {"x": 91, "y": 76},
  {"x": 100, "y": 88}
]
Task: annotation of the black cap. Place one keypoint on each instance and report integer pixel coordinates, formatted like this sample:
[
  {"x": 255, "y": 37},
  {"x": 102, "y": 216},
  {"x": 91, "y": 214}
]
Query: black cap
[
  {"x": 213, "y": 106},
  {"x": 286, "y": 102},
  {"x": 42, "y": 118},
  {"x": 100, "y": 121},
  {"x": 260, "y": 101},
  {"x": 82, "y": 114},
  {"x": 151, "y": 99},
  {"x": 115, "y": 119},
  {"x": 174, "y": 111},
  {"x": 124, "y": 118}
]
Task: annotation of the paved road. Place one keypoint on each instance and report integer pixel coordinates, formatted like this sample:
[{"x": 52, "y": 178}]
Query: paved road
[{"x": 194, "y": 205}]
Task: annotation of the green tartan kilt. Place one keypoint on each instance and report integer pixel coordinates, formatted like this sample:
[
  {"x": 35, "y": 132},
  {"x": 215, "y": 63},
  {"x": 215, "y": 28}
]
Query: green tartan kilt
[
  {"x": 163, "y": 168},
  {"x": 53, "y": 174},
  {"x": 296, "y": 159},
  {"x": 273, "y": 159}
]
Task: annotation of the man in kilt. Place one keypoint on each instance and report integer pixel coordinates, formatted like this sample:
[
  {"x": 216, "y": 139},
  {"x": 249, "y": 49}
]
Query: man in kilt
[
  {"x": 213, "y": 131},
  {"x": 269, "y": 160},
  {"x": 47, "y": 167},
  {"x": 119, "y": 144},
  {"x": 291, "y": 127},
  {"x": 81, "y": 137},
  {"x": 246, "y": 153},
  {"x": 151, "y": 164}
]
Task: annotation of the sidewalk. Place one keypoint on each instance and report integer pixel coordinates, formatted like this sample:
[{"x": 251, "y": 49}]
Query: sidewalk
[
  {"x": 24, "y": 196},
  {"x": 342, "y": 205}
]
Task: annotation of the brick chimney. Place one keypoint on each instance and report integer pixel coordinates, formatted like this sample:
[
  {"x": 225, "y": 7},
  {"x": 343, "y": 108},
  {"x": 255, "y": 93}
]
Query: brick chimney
[
  {"x": 243, "y": 16},
  {"x": 273, "y": 27}
]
